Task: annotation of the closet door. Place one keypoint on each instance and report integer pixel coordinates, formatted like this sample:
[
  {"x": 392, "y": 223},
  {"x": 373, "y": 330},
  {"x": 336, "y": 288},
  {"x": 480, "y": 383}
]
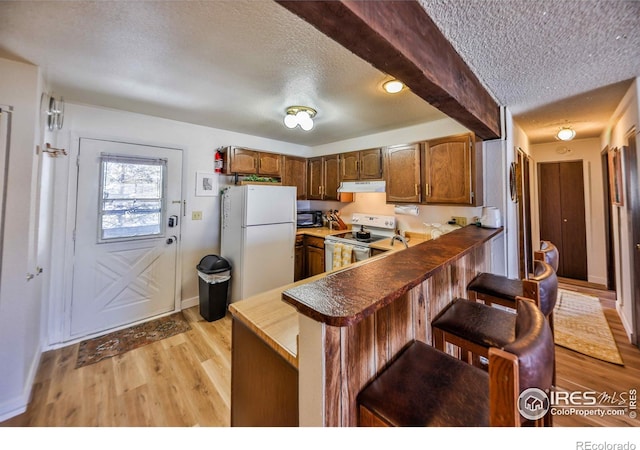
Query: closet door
[{"x": 562, "y": 215}]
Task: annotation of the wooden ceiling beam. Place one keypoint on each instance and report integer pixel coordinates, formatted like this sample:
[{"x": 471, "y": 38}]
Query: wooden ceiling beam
[{"x": 400, "y": 39}]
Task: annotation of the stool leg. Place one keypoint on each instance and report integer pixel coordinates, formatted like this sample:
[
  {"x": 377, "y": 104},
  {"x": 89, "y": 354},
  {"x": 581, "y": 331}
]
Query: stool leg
[{"x": 438, "y": 339}]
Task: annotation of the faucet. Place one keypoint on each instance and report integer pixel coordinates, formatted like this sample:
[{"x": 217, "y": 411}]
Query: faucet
[{"x": 399, "y": 238}]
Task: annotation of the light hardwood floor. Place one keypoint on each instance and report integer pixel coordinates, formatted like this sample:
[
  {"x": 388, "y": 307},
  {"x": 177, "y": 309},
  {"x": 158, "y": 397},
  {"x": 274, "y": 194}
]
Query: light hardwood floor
[{"x": 185, "y": 381}]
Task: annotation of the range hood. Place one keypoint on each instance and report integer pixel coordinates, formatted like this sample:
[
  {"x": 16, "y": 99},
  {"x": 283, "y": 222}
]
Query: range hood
[{"x": 362, "y": 186}]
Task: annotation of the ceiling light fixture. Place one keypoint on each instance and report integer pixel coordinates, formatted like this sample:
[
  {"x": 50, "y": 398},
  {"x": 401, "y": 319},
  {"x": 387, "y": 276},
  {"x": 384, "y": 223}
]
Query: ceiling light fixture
[
  {"x": 299, "y": 115},
  {"x": 566, "y": 134},
  {"x": 393, "y": 86}
]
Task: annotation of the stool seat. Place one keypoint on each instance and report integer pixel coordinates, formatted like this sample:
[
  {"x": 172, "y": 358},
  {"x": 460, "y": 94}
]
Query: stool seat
[
  {"x": 473, "y": 322},
  {"x": 457, "y": 394},
  {"x": 497, "y": 286}
]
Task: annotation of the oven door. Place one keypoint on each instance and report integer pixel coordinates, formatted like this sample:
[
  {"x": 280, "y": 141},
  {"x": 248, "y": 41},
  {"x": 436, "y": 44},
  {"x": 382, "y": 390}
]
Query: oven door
[{"x": 359, "y": 253}]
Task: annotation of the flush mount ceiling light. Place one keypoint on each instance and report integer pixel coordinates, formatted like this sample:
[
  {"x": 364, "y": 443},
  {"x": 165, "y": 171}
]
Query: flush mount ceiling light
[
  {"x": 566, "y": 134},
  {"x": 393, "y": 86},
  {"x": 299, "y": 115}
]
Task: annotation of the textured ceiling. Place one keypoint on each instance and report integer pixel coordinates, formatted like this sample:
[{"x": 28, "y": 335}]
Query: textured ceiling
[
  {"x": 238, "y": 64},
  {"x": 552, "y": 62},
  {"x": 234, "y": 65}
]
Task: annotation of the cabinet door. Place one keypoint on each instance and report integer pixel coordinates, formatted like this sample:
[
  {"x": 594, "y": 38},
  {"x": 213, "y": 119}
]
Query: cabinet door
[
  {"x": 315, "y": 181},
  {"x": 298, "y": 273},
  {"x": 447, "y": 170},
  {"x": 402, "y": 173},
  {"x": 270, "y": 164},
  {"x": 243, "y": 160},
  {"x": 314, "y": 261},
  {"x": 331, "y": 178},
  {"x": 349, "y": 166},
  {"x": 295, "y": 174},
  {"x": 370, "y": 164}
]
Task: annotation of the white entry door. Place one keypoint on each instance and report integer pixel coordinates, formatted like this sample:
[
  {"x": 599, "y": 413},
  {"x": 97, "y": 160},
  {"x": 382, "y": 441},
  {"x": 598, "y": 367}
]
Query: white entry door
[{"x": 126, "y": 237}]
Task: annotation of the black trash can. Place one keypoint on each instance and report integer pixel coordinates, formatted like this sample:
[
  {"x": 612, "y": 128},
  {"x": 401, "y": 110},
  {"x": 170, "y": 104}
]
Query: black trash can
[{"x": 214, "y": 273}]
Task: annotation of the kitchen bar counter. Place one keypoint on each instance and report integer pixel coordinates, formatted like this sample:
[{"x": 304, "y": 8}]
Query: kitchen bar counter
[
  {"x": 345, "y": 297},
  {"x": 334, "y": 332}
]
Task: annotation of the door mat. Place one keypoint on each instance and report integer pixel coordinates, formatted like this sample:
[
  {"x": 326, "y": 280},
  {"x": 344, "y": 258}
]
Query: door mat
[
  {"x": 93, "y": 350},
  {"x": 580, "y": 325}
]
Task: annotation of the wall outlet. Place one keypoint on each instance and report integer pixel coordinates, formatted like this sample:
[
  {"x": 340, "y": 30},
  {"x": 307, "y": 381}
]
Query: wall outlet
[
  {"x": 462, "y": 221},
  {"x": 196, "y": 215}
]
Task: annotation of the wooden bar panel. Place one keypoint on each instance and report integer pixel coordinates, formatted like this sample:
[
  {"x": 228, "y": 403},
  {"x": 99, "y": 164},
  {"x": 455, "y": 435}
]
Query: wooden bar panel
[
  {"x": 333, "y": 380},
  {"x": 368, "y": 346},
  {"x": 264, "y": 386}
]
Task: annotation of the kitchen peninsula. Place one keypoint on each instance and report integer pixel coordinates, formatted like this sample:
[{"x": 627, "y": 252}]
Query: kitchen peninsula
[{"x": 322, "y": 339}]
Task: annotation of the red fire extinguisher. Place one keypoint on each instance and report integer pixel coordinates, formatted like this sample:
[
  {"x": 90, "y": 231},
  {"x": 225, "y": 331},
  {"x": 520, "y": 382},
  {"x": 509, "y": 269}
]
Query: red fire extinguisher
[{"x": 217, "y": 162}]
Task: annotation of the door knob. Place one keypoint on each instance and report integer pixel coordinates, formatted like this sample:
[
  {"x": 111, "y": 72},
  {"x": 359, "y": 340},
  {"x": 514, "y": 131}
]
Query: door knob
[
  {"x": 171, "y": 240},
  {"x": 638, "y": 246},
  {"x": 564, "y": 220}
]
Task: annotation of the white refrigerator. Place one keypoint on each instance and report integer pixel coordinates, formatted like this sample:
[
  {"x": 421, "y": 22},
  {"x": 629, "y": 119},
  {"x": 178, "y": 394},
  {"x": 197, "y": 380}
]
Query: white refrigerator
[{"x": 258, "y": 227}]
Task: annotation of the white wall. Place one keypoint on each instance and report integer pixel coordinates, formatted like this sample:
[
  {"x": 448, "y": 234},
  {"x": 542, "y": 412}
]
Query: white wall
[
  {"x": 587, "y": 151},
  {"x": 20, "y": 303},
  {"x": 626, "y": 117},
  {"x": 199, "y": 238}
]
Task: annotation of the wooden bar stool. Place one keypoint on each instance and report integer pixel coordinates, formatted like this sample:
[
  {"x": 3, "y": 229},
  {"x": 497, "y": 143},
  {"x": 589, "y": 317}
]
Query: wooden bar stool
[
  {"x": 475, "y": 327},
  {"x": 542, "y": 288},
  {"x": 427, "y": 387},
  {"x": 548, "y": 253}
]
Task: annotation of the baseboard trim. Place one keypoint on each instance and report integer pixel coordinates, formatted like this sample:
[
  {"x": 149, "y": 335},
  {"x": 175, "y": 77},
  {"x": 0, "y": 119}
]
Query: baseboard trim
[
  {"x": 17, "y": 405},
  {"x": 190, "y": 302}
]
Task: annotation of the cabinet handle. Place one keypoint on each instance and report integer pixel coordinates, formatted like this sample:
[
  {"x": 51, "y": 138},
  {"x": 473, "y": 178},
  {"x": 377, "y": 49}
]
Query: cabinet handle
[
  {"x": 415, "y": 188},
  {"x": 426, "y": 190}
]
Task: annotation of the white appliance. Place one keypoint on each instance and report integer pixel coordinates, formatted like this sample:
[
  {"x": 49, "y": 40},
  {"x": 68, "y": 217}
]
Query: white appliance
[
  {"x": 490, "y": 217},
  {"x": 258, "y": 227},
  {"x": 378, "y": 228}
]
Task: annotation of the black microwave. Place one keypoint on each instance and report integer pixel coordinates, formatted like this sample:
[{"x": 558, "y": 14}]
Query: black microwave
[{"x": 309, "y": 219}]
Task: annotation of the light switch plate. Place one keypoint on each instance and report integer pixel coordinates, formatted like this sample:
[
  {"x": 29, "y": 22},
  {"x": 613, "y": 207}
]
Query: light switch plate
[{"x": 196, "y": 215}]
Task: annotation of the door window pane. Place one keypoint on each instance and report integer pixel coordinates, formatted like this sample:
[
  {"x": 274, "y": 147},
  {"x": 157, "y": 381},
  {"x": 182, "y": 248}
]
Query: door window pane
[{"x": 131, "y": 197}]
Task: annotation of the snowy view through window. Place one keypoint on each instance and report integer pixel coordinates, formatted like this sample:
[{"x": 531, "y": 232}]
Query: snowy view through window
[{"x": 132, "y": 193}]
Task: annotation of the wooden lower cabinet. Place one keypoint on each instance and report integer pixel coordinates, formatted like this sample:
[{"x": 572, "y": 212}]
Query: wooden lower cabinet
[
  {"x": 264, "y": 386},
  {"x": 314, "y": 256},
  {"x": 298, "y": 273}
]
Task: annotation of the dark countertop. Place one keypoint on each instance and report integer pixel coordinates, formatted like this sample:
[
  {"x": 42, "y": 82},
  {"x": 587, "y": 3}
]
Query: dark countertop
[{"x": 345, "y": 297}]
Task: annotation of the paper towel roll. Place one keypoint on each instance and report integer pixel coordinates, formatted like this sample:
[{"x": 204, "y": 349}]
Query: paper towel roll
[{"x": 409, "y": 210}]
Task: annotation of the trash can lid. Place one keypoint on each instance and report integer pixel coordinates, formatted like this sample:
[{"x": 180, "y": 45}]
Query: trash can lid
[{"x": 213, "y": 264}]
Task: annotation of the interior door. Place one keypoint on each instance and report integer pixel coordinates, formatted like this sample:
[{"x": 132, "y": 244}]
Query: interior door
[
  {"x": 127, "y": 228},
  {"x": 562, "y": 215},
  {"x": 523, "y": 190}
]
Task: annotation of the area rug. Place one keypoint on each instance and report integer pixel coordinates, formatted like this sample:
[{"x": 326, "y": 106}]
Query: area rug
[
  {"x": 93, "y": 350},
  {"x": 580, "y": 325}
]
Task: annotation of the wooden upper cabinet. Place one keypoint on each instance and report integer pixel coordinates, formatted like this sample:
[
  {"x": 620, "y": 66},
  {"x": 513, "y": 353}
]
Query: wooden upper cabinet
[
  {"x": 295, "y": 174},
  {"x": 243, "y": 160},
  {"x": 402, "y": 173},
  {"x": 323, "y": 179},
  {"x": 450, "y": 171},
  {"x": 315, "y": 178},
  {"x": 248, "y": 161},
  {"x": 349, "y": 166},
  {"x": 361, "y": 165},
  {"x": 331, "y": 177},
  {"x": 270, "y": 164}
]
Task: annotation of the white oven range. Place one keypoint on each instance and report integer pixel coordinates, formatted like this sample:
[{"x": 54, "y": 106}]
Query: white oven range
[{"x": 365, "y": 230}]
